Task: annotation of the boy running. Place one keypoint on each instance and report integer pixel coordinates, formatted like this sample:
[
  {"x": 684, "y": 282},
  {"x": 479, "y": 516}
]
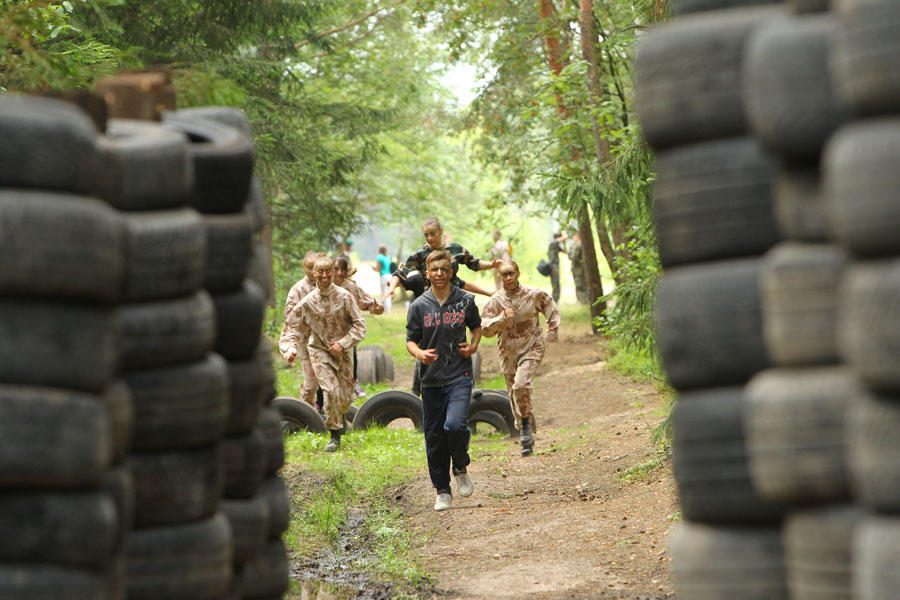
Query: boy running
[{"x": 288, "y": 349}]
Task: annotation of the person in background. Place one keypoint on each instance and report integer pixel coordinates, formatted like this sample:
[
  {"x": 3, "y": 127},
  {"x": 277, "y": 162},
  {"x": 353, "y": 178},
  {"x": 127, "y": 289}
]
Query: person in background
[
  {"x": 384, "y": 273},
  {"x": 512, "y": 314},
  {"x": 436, "y": 337},
  {"x": 364, "y": 301},
  {"x": 553, "y": 250},
  {"x": 329, "y": 322},
  {"x": 501, "y": 251},
  {"x": 290, "y": 351},
  {"x": 576, "y": 258}
]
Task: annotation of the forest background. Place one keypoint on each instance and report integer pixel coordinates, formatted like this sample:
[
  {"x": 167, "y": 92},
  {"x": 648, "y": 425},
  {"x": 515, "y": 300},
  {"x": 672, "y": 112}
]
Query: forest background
[{"x": 357, "y": 133}]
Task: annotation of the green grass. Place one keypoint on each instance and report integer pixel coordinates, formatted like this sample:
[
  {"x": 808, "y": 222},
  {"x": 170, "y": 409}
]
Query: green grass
[
  {"x": 368, "y": 465},
  {"x": 644, "y": 471}
]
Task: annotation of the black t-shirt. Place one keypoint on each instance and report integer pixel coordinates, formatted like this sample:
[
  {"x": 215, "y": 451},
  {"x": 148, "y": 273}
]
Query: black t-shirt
[{"x": 442, "y": 327}]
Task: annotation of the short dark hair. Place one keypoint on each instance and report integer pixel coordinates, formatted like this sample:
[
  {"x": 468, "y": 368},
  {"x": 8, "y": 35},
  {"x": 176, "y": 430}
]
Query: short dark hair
[
  {"x": 438, "y": 255},
  {"x": 341, "y": 263},
  {"x": 557, "y": 235}
]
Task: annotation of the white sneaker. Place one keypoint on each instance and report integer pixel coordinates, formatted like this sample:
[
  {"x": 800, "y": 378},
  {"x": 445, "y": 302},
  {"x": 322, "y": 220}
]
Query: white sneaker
[
  {"x": 464, "y": 485},
  {"x": 442, "y": 502}
]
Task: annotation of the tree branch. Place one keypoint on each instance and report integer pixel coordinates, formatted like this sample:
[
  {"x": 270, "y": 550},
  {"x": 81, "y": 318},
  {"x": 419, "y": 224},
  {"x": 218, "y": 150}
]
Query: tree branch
[{"x": 350, "y": 24}]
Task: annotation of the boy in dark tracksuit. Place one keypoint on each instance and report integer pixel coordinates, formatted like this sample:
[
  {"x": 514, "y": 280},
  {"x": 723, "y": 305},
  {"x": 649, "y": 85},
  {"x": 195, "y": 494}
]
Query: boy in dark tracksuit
[{"x": 436, "y": 336}]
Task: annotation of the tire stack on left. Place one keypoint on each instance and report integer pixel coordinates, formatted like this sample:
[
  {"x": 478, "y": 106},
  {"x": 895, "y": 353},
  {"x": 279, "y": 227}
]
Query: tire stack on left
[
  {"x": 227, "y": 196},
  {"x": 63, "y": 418},
  {"x": 181, "y": 545}
]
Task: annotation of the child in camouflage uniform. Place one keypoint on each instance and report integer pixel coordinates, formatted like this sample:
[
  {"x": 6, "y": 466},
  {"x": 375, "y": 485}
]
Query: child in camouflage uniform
[
  {"x": 288, "y": 350},
  {"x": 329, "y": 322},
  {"x": 512, "y": 313}
]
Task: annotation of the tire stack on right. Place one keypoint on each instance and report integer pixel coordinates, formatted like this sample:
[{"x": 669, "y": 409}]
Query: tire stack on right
[
  {"x": 222, "y": 155},
  {"x": 62, "y": 263},
  {"x": 374, "y": 365},
  {"x": 795, "y": 412},
  {"x": 861, "y": 168},
  {"x": 714, "y": 221},
  {"x": 181, "y": 545}
]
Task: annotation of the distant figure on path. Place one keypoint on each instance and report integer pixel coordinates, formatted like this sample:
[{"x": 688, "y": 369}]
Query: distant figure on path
[
  {"x": 499, "y": 251},
  {"x": 512, "y": 314},
  {"x": 553, "y": 250},
  {"x": 384, "y": 274},
  {"x": 576, "y": 258},
  {"x": 436, "y": 336},
  {"x": 329, "y": 322}
]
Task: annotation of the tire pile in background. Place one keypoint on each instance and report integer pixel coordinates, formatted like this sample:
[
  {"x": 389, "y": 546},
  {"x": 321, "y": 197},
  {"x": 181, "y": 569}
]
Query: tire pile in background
[
  {"x": 133, "y": 371},
  {"x": 778, "y": 314}
]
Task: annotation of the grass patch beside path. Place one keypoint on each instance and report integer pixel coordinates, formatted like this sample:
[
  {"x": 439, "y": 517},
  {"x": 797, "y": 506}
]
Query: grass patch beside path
[{"x": 326, "y": 486}]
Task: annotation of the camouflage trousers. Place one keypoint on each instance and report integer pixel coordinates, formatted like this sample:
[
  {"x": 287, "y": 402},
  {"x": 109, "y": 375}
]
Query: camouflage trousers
[
  {"x": 310, "y": 383},
  {"x": 518, "y": 383},
  {"x": 335, "y": 377}
]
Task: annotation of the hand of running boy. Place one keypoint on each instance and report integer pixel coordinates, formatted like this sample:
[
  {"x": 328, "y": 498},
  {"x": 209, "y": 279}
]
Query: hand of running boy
[
  {"x": 336, "y": 350},
  {"x": 428, "y": 356},
  {"x": 466, "y": 349}
]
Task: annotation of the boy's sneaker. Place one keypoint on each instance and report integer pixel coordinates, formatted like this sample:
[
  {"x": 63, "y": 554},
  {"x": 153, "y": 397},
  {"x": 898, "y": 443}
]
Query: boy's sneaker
[
  {"x": 464, "y": 485},
  {"x": 360, "y": 393},
  {"x": 442, "y": 502},
  {"x": 333, "y": 445}
]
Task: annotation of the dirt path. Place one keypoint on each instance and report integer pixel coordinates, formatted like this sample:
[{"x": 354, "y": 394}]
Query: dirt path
[{"x": 563, "y": 523}]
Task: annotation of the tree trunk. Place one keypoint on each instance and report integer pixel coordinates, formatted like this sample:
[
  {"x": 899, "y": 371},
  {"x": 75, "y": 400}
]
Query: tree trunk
[{"x": 591, "y": 267}]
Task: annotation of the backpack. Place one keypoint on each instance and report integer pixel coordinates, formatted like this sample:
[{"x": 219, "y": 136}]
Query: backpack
[{"x": 544, "y": 268}]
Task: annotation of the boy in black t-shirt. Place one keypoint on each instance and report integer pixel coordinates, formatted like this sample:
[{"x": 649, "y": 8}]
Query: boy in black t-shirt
[{"x": 436, "y": 336}]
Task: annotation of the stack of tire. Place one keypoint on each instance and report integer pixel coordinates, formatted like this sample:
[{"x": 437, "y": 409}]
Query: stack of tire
[
  {"x": 713, "y": 213},
  {"x": 228, "y": 199},
  {"x": 65, "y": 420},
  {"x": 861, "y": 170},
  {"x": 181, "y": 545},
  {"x": 374, "y": 365}
]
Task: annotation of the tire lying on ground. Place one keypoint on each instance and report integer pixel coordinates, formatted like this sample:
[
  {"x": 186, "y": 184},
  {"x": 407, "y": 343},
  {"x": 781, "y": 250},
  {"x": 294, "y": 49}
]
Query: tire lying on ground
[
  {"x": 297, "y": 414},
  {"x": 709, "y": 324},
  {"x": 47, "y": 144},
  {"x": 384, "y": 407},
  {"x": 494, "y": 421},
  {"x": 43, "y": 249},
  {"x": 145, "y": 166},
  {"x": 713, "y": 200},
  {"x": 688, "y": 76},
  {"x": 367, "y": 365},
  {"x": 496, "y": 401},
  {"x": 737, "y": 563},
  {"x": 818, "y": 551}
]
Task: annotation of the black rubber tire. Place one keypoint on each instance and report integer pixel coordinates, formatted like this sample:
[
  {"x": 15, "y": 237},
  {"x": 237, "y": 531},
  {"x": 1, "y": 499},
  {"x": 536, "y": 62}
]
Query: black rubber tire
[
  {"x": 869, "y": 322},
  {"x": 76, "y": 529},
  {"x": 872, "y": 425},
  {"x": 494, "y": 419},
  {"x": 876, "y": 554},
  {"x": 275, "y": 492},
  {"x": 800, "y": 203},
  {"x": 249, "y": 520},
  {"x": 145, "y": 166},
  {"x": 239, "y": 319},
  {"x": 794, "y": 425},
  {"x": 57, "y": 345},
  {"x": 53, "y": 581},
  {"x": 787, "y": 89},
  {"x": 366, "y": 365},
  {"x": 245, "y": 460},
  {"x": 387, "y": 406},
  {"x": 223, "y": 163},
  {"x": 52, "y": 438},
  {"x": 684, "y": 7},
  {"x": 297, "y": 415},
  {"x": 865, "y": 53},
  {"x": 166, "y": 332},
  {"x": 119, "y": 485},
  {"x": 688, "y": 76},
  {"x": 267, "y": 576},
  {"x": 709, "y": 324},
  {"x": 47, "y": 144},
  {"x": 229, "y": 245},
  {"x": 737, "y": 563},
  {"x": 185, "y": 562},
  {"x": 224, "y": 115},
  {"x": 713, "y": 200},
  {"x": 260, "y": 270},
  {"x": 799, "y": 287},
  {"x": 818, "y": 552},
  {"x": 388, "y": 368},
  {"x": 711, "y": 463},
  {"x": 861, "y": 182},
  {"x": 165, "y": 254},
  {"x": 251, "y": 382},
  {"x": 60, "y": 246},
  {"x": 176, "y": 487},
  {"x": 494, "y": 401},
  {"x": 179, "y": 407},
  {"x": 270, "y": 426},
  {"x": 120, "y": 408}
]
